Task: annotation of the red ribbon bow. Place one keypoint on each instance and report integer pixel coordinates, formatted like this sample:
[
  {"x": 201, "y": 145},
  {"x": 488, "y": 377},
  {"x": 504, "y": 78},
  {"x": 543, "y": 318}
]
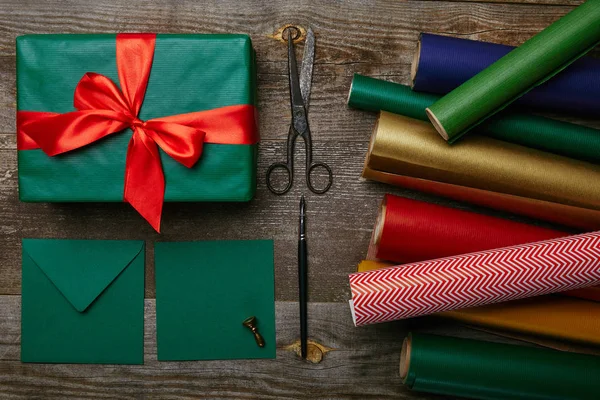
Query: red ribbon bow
[{"x": 104, "y": 109}]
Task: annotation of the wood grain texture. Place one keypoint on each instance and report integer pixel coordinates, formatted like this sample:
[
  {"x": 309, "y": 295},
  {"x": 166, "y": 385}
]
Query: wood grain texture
[
  {"x": 538, "y": 2},
  {"x": 358, "y": 366},
  {"x": 375, "y": 38}
]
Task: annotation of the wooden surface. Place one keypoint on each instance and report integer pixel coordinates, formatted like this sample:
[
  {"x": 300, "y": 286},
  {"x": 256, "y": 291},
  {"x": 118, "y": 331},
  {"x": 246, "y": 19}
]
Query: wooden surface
[
  {"x": 363, "y": 363},
  {"x": 375, "y": 38}
]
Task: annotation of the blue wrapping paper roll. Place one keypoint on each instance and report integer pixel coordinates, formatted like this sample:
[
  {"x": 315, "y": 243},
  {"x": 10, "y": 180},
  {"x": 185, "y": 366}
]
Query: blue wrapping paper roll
[{"x": 443, "y": 63}]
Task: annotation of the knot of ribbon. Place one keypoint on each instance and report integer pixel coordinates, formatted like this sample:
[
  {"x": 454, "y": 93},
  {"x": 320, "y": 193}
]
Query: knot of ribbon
[{"x": 104, "y": 109}]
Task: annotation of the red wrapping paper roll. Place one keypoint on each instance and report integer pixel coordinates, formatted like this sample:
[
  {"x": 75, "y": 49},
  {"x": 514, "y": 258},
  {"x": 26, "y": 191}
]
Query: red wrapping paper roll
[
  {"x": 475, "y": 279},
  {"x": 410, "y": 230}
]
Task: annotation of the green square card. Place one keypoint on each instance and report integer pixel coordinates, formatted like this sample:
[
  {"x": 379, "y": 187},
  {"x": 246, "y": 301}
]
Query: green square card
[{"x": 205, "y": 290}]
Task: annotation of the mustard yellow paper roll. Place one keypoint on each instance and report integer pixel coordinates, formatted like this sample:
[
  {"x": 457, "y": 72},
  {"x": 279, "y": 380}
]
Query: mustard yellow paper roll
[
  {"x": 407, "y": 146},
  {"x": 557, "y": 317}
]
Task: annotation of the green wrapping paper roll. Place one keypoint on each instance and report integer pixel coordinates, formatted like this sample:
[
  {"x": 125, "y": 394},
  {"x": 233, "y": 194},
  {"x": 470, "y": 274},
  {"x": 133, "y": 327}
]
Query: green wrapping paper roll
[
  {"x": 527, "y": 66},
  {"x": 484, "y": 370},
  {"x": 558, "y": 137},
  {"x": 376, "y": 95}
]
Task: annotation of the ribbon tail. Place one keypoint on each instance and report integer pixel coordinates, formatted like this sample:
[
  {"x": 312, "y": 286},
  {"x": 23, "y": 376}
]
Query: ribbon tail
[{"x": 144, "y": 178}]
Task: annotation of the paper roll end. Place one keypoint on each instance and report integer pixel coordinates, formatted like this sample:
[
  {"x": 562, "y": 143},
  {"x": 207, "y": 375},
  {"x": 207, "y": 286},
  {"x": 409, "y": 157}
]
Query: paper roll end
[
  {"x": 405, "y": 358},
  {"x": 380, "y": 222},
  {"x": 414, "y": 68},
  {"x": 374, "y": 134},
  {"x": 371, "y": 145},
  {"x": 436, "y": 124},
  {"x": 351, "y": 303},
  {"x": 350, "y": 93}
]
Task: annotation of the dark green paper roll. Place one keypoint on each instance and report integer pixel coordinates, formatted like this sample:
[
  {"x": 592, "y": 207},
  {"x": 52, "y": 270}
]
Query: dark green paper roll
[
  {"x": 570, "y": 140},
  {"x": 485, "y": 370},
  {"x": 534, "y": 62}
]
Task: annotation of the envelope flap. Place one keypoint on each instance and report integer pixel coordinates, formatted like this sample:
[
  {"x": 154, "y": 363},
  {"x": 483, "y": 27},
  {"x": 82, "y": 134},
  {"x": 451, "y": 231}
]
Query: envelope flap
[{"x": 81, "y": 269}]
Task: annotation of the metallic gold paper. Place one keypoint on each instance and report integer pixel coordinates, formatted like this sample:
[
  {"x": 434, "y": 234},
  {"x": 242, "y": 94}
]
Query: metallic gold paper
[{"x": 406, "y": 146}]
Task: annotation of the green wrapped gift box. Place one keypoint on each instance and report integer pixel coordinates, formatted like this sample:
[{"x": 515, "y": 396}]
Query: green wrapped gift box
[{"x": 189, "y": 73}]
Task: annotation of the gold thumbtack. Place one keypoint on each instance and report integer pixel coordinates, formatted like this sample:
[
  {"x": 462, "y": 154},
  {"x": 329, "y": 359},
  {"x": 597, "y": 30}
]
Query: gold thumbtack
[{"x": 250, "y": 323}]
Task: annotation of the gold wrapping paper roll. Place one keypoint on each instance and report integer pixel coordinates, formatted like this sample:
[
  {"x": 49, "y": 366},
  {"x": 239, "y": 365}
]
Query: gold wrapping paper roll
[
  {"x": 551, "y": 317},
  {"x": 371, "y": 265},
  {"x": 402, "y": 145}
]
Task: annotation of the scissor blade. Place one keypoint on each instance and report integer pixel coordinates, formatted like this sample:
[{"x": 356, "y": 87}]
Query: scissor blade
[
  {"x": 306, "y": 71},
  {"x": 295, "y": 91}
]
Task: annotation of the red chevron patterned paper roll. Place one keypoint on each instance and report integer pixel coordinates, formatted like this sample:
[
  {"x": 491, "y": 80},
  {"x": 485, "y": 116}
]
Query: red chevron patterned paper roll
[{"x": 474, "y": 279}]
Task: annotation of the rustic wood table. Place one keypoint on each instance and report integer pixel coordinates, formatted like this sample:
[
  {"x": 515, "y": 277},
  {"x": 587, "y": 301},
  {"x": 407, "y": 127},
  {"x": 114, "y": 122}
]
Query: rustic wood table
[{"x": 376, "y": 38}]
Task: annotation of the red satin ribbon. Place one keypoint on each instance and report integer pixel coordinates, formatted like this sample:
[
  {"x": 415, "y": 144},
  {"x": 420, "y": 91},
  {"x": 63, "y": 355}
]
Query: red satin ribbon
[{"x": 104, "y": 109}]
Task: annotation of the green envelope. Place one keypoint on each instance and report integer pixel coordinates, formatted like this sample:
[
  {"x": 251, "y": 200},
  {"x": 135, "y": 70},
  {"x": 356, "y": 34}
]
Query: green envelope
[
  {"x": 205, "y": 290},
  {"x": 83, "y": 301}
]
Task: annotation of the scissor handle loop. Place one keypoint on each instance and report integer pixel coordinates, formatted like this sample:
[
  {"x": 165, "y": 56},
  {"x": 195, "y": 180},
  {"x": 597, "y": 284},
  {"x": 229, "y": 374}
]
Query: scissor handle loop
[
  {"x": 288, "y": 170},
  {"x": 308, "y": 174}
]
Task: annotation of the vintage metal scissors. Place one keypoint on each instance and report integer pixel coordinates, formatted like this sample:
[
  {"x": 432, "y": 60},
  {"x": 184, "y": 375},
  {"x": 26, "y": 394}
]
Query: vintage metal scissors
[{"x": 299, "y": 95}]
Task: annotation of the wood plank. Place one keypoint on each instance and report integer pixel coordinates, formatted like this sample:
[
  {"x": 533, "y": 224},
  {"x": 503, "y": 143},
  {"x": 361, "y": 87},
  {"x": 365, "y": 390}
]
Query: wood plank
[
  {"x": 262, "y": 18},
  {"x": 357, "y": 367},
  {"x": 536, "y": 2},
  {"x": 8, "y": 96}
]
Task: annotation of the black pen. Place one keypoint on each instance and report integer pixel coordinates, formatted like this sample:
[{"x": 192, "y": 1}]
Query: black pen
[{"x": 302, "y": 279}]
